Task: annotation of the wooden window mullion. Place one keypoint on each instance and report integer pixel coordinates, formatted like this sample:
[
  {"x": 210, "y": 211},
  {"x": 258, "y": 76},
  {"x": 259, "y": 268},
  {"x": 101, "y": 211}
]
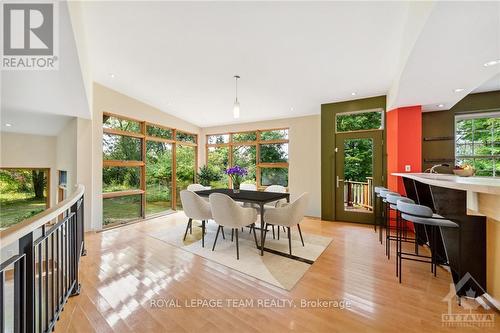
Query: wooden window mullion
[{"x": 174, "y": 171}]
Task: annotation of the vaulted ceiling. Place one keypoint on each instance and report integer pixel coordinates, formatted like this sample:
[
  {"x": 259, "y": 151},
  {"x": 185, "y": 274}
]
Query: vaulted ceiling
[{"x": 292, "y": 56}]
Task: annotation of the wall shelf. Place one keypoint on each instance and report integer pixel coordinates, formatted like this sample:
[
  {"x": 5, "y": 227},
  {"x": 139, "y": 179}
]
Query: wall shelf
[
  {"x": 439, "y": 160},
  {"x": 439, "y": 138}
]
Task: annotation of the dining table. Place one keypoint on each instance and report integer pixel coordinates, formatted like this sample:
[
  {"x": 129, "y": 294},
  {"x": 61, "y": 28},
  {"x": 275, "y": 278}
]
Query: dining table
[{"x": 259, "y": 198}]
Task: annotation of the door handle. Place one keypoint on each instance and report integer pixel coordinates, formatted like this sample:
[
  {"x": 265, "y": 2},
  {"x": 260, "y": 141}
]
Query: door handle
[{"x": 338, "y": 181}]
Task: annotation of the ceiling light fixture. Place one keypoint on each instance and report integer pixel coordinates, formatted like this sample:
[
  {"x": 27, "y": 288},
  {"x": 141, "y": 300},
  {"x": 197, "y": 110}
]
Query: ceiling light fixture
[
  {"x": 458, "y": 90},
  {"x": 291, "y": 109},
  {"x": 353, "y": 94},
  {"x": 111, "y": 75},
  {"x": 440, "y": 105},
  {"x": 492, "y": 63},
  {"x": 236, "y": 106},
  {"x": 8, "y": 125}
]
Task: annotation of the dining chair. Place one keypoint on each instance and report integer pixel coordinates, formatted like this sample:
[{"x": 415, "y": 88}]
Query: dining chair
[
  {"x": 276, "y": 189},
  {"x": 248, "y": 187},
  {"x": 227, "y": 213},
  {"x": 195, "y": 208},
  {"x": 196, "y": 187},
  {"x": 287, "y": 215}
]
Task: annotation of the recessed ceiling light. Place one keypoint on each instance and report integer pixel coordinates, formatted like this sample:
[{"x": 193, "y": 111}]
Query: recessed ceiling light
[
  {"x": 111, "y": 75},
  {"x": 8, "y": 125},
  {"x": 291, "y": 109},
  {"x": 440, "y": 105},
  {"x": 458, "y": 90},
  {"x": 353, "y": 94},
  {"x": 492, "y": 63}
]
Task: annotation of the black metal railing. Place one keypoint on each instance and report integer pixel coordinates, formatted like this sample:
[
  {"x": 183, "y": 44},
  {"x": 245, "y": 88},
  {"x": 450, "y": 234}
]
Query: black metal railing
[{"x": 36, "y": 282}]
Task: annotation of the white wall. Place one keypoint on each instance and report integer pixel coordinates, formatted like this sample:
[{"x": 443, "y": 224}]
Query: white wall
[
  {"x": 66, "y": 153},
  {"x": 304, "y": 153}
]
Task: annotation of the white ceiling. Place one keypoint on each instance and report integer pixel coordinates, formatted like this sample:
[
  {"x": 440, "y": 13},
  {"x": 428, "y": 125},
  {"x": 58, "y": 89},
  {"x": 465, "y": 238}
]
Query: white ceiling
[
  {"x": 449, "y": 53},
  {"x": 49, "y": 92},
  {"x": 291, "y": 56},
  {"x": 36, "y": 123},
  {"x": 490, "y": 85}
]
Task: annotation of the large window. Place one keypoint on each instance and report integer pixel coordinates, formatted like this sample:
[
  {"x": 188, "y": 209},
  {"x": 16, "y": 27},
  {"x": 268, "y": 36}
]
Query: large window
[
  {"x": 477, "y": 142},
  {"x": 23, "y": 193},
  {"x": 264, "y": 153},
  {"x": 139, "y": 163}
]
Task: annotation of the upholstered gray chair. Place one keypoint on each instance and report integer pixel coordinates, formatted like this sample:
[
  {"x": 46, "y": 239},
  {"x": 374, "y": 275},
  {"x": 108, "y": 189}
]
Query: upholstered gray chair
[
  {"x": 195, "y": 208},
  {"x": 227, "y": 213},
  {"x": 288, "y": 215}
]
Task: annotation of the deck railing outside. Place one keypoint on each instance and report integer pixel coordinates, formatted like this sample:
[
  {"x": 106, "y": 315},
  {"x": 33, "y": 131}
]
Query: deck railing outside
[
  {"x": 40, "y": 264},
  {"x": 359, "y": 194}
]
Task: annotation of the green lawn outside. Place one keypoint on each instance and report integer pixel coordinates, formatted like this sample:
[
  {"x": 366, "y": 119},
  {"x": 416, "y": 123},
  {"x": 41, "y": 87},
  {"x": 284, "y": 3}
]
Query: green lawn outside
[{"x": 15, "y": 207}]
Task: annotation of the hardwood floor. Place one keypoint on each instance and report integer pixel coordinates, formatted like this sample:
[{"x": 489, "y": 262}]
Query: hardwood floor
[{"x": 125, "y": 269}]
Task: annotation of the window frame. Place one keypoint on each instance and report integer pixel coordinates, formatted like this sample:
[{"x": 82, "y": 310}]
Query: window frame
[
  {"x": 347, "y": 113},
  {"x": 471, "y": 116},
  {"x": 144, "y": 137},
  {"x": 257, "y": 143}
]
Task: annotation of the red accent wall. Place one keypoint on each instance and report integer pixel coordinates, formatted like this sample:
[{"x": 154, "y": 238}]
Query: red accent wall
[{"x": 404, "y": 143}]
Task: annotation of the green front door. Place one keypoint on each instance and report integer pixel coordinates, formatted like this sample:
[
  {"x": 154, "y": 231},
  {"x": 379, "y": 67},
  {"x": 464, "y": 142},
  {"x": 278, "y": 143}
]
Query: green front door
[{"x": 358, "y": 168}]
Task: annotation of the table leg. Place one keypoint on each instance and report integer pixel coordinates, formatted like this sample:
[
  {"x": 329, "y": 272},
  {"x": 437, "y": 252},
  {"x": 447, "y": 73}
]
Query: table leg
[{"x": 262, "y": 229}]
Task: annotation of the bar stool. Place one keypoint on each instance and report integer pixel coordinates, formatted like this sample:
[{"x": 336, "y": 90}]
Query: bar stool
[
  {"x": 401, "y": 228},
  {"x": 377, "y": 210},
  {"x": 387, "y": 218},
  {"x": 421, "y": 215}
]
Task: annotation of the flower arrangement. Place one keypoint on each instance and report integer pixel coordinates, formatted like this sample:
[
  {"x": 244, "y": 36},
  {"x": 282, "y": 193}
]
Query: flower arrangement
[{"x": 236, "y": 173}]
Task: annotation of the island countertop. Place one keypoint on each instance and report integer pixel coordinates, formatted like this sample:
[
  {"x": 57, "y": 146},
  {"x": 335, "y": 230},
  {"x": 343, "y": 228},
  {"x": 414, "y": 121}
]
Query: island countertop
[
  {"x": 483, "y": 197},
  {"x": 487, "y": 185}
]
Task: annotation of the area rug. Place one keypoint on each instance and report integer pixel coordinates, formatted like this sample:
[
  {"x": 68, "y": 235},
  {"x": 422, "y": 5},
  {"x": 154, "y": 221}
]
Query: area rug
[{"x": 273, "y": 267}]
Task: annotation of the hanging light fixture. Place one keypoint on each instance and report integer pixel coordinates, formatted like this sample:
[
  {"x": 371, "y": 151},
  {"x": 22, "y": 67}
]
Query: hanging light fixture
[{"x": 236, "y": 106}]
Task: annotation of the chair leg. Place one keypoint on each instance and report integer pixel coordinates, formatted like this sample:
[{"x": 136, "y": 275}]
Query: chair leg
[
  {"x": 237, "y": 246},
  {"x": 300, "y": 233},
  {"x": 289, "y": 240},
  {"x": 400, "y": 250},
  {"x": 264, "y": 238},
  {"x": 187, "y": 228},
  {"x": 254, "y": 235},
  {"x": 397, "y": 243},
  {"x": 191, "y": 227},
  {"x": 223, "y": 235},
  {"x": 279, "y": 233},
  {"x": 434, "y": 240},
  {"x": 273, "y": 231},
  {"x": 203, "y": 233},
  {"x": 216, "y": 235},
  {"x": 232, "y": 235}
]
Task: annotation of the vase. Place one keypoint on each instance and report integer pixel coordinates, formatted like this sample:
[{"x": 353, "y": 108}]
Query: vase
[{"x": 236, "y": 188}]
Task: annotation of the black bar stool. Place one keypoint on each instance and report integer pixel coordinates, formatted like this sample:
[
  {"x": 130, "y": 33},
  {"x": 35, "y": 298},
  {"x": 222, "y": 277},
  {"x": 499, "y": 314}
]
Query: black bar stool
[
  {"x": 387, "y": 218},
  {"x": 419, "y": 214},
  {"x": 377, "y": 209}
]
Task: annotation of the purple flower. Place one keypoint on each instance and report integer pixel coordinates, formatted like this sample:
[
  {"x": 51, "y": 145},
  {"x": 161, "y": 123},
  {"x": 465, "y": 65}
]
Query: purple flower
[{"x": 236, "y": 171}]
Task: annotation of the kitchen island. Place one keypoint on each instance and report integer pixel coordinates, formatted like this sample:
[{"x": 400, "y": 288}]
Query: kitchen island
[{"x": 473, "y": 203}]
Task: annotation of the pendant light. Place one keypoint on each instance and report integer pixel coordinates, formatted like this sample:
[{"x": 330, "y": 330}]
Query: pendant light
[{"x": 236, "y": 106}]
